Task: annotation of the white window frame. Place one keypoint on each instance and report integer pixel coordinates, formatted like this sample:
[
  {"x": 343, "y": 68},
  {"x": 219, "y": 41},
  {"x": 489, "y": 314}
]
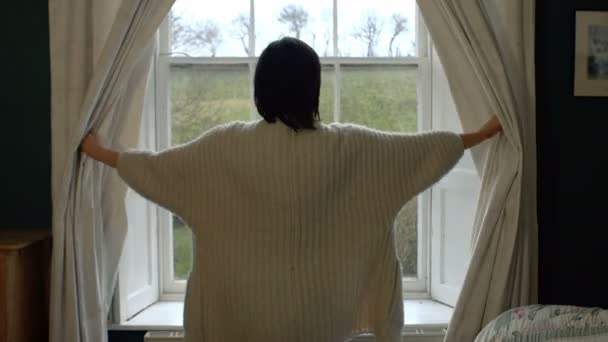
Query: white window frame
[{"x": 413, "y": 288}]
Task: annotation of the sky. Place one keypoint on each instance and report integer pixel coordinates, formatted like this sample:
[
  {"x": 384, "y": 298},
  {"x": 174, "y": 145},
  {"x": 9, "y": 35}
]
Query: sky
[{"x": 318, "y": 32}]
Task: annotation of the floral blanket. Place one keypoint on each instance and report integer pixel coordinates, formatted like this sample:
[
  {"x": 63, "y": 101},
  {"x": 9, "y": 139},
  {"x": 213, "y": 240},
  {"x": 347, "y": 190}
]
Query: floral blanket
[{"x": 544, "y": 323}]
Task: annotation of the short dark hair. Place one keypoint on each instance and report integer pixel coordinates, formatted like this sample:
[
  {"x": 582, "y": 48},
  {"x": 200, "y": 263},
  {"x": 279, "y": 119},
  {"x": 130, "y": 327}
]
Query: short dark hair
[{"x": 287, "y": 82}]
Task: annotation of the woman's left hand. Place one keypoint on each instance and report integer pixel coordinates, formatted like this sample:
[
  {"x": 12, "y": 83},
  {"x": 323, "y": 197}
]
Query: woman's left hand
[
  {"x": 491, "y": 127},
  {"x": 486, "y": 131}
]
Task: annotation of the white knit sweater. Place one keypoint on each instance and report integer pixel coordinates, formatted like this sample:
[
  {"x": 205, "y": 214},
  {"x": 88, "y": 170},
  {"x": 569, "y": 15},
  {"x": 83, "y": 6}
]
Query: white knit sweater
[{"x": 293, "y": 232}]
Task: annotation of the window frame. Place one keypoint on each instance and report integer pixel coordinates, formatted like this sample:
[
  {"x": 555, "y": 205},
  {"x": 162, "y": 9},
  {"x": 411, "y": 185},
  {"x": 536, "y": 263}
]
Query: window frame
[{"x": 173, "y": 289}]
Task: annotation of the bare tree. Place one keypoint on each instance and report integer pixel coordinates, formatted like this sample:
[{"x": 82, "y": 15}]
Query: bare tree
[
  {"x": 208, "y": 36},
  {"x": 184, "y": 37},
  {"x": 326, "y": 39},
  {"x": 369, "y": 33},
  {"x": 179, "y": 32},
  {"x": 294, "y": 16},
  {"x": 399, "y": 26},
  {"x": 327, "y": 21},
  {"x": 242, "y": 31}
]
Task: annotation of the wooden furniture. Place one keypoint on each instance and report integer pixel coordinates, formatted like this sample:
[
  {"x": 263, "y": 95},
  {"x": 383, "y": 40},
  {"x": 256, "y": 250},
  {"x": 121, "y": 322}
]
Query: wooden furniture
[{"x": 25, "y": 260}]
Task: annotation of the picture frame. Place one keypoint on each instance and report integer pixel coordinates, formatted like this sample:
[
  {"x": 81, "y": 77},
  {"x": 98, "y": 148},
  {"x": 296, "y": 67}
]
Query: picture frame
[{"x": 591, "y": 54}]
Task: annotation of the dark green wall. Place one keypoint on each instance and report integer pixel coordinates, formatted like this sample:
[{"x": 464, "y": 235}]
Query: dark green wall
[
  {"x": 25, "y": 132},
  {"x": 572, "y": 183},
  {"x": 25, "y": 166}
]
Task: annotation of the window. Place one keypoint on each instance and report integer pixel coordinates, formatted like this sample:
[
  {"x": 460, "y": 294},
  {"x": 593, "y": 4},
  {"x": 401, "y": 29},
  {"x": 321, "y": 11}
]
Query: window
[
  {"x": 377, "y": 70},
  {"x": 370, "y": 76}
]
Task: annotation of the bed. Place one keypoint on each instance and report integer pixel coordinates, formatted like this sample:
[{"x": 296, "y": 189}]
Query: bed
[{"x": 544, "y": 323}]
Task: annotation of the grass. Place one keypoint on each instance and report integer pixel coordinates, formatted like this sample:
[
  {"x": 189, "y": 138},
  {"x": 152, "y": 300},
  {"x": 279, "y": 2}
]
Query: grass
[
  {"x": 377, "y": 96},
  {"x": 182, "y": 249}
]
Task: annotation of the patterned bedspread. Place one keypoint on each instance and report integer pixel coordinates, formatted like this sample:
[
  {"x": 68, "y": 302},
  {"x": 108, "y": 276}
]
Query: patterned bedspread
[{"x": 543, "y": 323}]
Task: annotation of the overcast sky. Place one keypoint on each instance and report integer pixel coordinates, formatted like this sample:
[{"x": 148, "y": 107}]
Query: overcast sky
[{"x": 351, "y": 15}]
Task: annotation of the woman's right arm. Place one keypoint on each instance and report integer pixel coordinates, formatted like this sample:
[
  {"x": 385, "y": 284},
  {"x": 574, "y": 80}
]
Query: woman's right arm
[{"x": 413, "y": 162}]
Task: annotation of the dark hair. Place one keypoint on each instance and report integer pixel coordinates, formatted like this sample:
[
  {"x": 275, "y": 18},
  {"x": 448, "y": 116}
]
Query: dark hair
[{"x": 287, "y": 83}]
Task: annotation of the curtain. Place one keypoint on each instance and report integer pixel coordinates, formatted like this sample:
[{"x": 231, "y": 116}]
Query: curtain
[
  {"x": 100, "y": 60},
  {"x": 487, "y": 50}
]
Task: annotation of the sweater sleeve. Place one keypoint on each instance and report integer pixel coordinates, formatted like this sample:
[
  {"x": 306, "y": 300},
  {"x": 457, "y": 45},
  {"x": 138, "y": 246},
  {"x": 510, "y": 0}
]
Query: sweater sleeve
[
  {"x": 161, "y": 177},
  {"x": 414, "y": 162}
]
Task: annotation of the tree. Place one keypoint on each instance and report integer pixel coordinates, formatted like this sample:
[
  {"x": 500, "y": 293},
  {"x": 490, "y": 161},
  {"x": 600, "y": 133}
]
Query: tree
[
  {"x": 179, "y": 33},
  {"x": 208, "y": 36},
  {"x": 187, "y": 38},
  {"x": 242, "y": 31},
  {"x": 369, "y": 33},
  {"x": 294, "y": 16},
  {"x": 327, "y": 21},
  {"x": 399, "y": 26},
  {"x": 326, "y": 39}
]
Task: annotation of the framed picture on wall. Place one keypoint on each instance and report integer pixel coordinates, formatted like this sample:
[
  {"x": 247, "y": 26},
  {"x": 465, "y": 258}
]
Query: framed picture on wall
[{"x": 591, "y": 54}]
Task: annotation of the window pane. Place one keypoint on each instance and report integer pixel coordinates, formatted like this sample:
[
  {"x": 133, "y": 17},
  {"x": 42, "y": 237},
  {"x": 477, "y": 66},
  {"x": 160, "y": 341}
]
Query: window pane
[
  {"x": 326, "y": 98},
  {"x": 203, "y": 96},
  {"x": 182, "y": 249},
  {"x": 198, "y": 29},
  {"x": 385, "y": 97},
  {"x": 377, "y": 28},
  {"x": 380, "y": 96},
  {"x": 406, "y": 239},
  {"x": 310, "y": 21}
]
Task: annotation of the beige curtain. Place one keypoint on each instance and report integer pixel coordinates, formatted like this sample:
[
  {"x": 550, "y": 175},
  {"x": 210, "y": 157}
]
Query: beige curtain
[
  {"x": 100, "y": 60},
  {"x": 487, "y": 50}
]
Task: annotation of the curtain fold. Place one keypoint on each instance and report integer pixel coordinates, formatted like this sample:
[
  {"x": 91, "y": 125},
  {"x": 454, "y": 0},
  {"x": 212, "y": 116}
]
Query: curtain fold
[
  {"x": 100, "y": 61},
  {"x": 487, "y": 50}
]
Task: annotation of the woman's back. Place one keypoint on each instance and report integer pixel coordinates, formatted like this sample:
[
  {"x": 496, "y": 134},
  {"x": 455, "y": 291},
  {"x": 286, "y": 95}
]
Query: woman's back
[{"x": 293, "y": 231}]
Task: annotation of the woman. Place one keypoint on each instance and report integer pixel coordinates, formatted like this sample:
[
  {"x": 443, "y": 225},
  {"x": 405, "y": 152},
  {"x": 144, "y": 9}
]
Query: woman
[{"x": 292, "y": 219}]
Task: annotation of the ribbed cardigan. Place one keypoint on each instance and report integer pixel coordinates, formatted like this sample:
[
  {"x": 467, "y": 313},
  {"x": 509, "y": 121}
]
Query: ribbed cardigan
[{"x": 293, "y": 232}]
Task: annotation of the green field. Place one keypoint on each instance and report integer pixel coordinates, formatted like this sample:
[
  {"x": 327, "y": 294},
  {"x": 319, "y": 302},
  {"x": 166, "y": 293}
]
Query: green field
[
  {"x": 182, "y": 249},
  {"x": 377, "y": 96}
]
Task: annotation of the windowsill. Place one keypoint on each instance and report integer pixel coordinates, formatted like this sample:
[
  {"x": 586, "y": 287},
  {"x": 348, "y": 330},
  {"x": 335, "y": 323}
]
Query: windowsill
[{"x": 168, "y": 316}]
